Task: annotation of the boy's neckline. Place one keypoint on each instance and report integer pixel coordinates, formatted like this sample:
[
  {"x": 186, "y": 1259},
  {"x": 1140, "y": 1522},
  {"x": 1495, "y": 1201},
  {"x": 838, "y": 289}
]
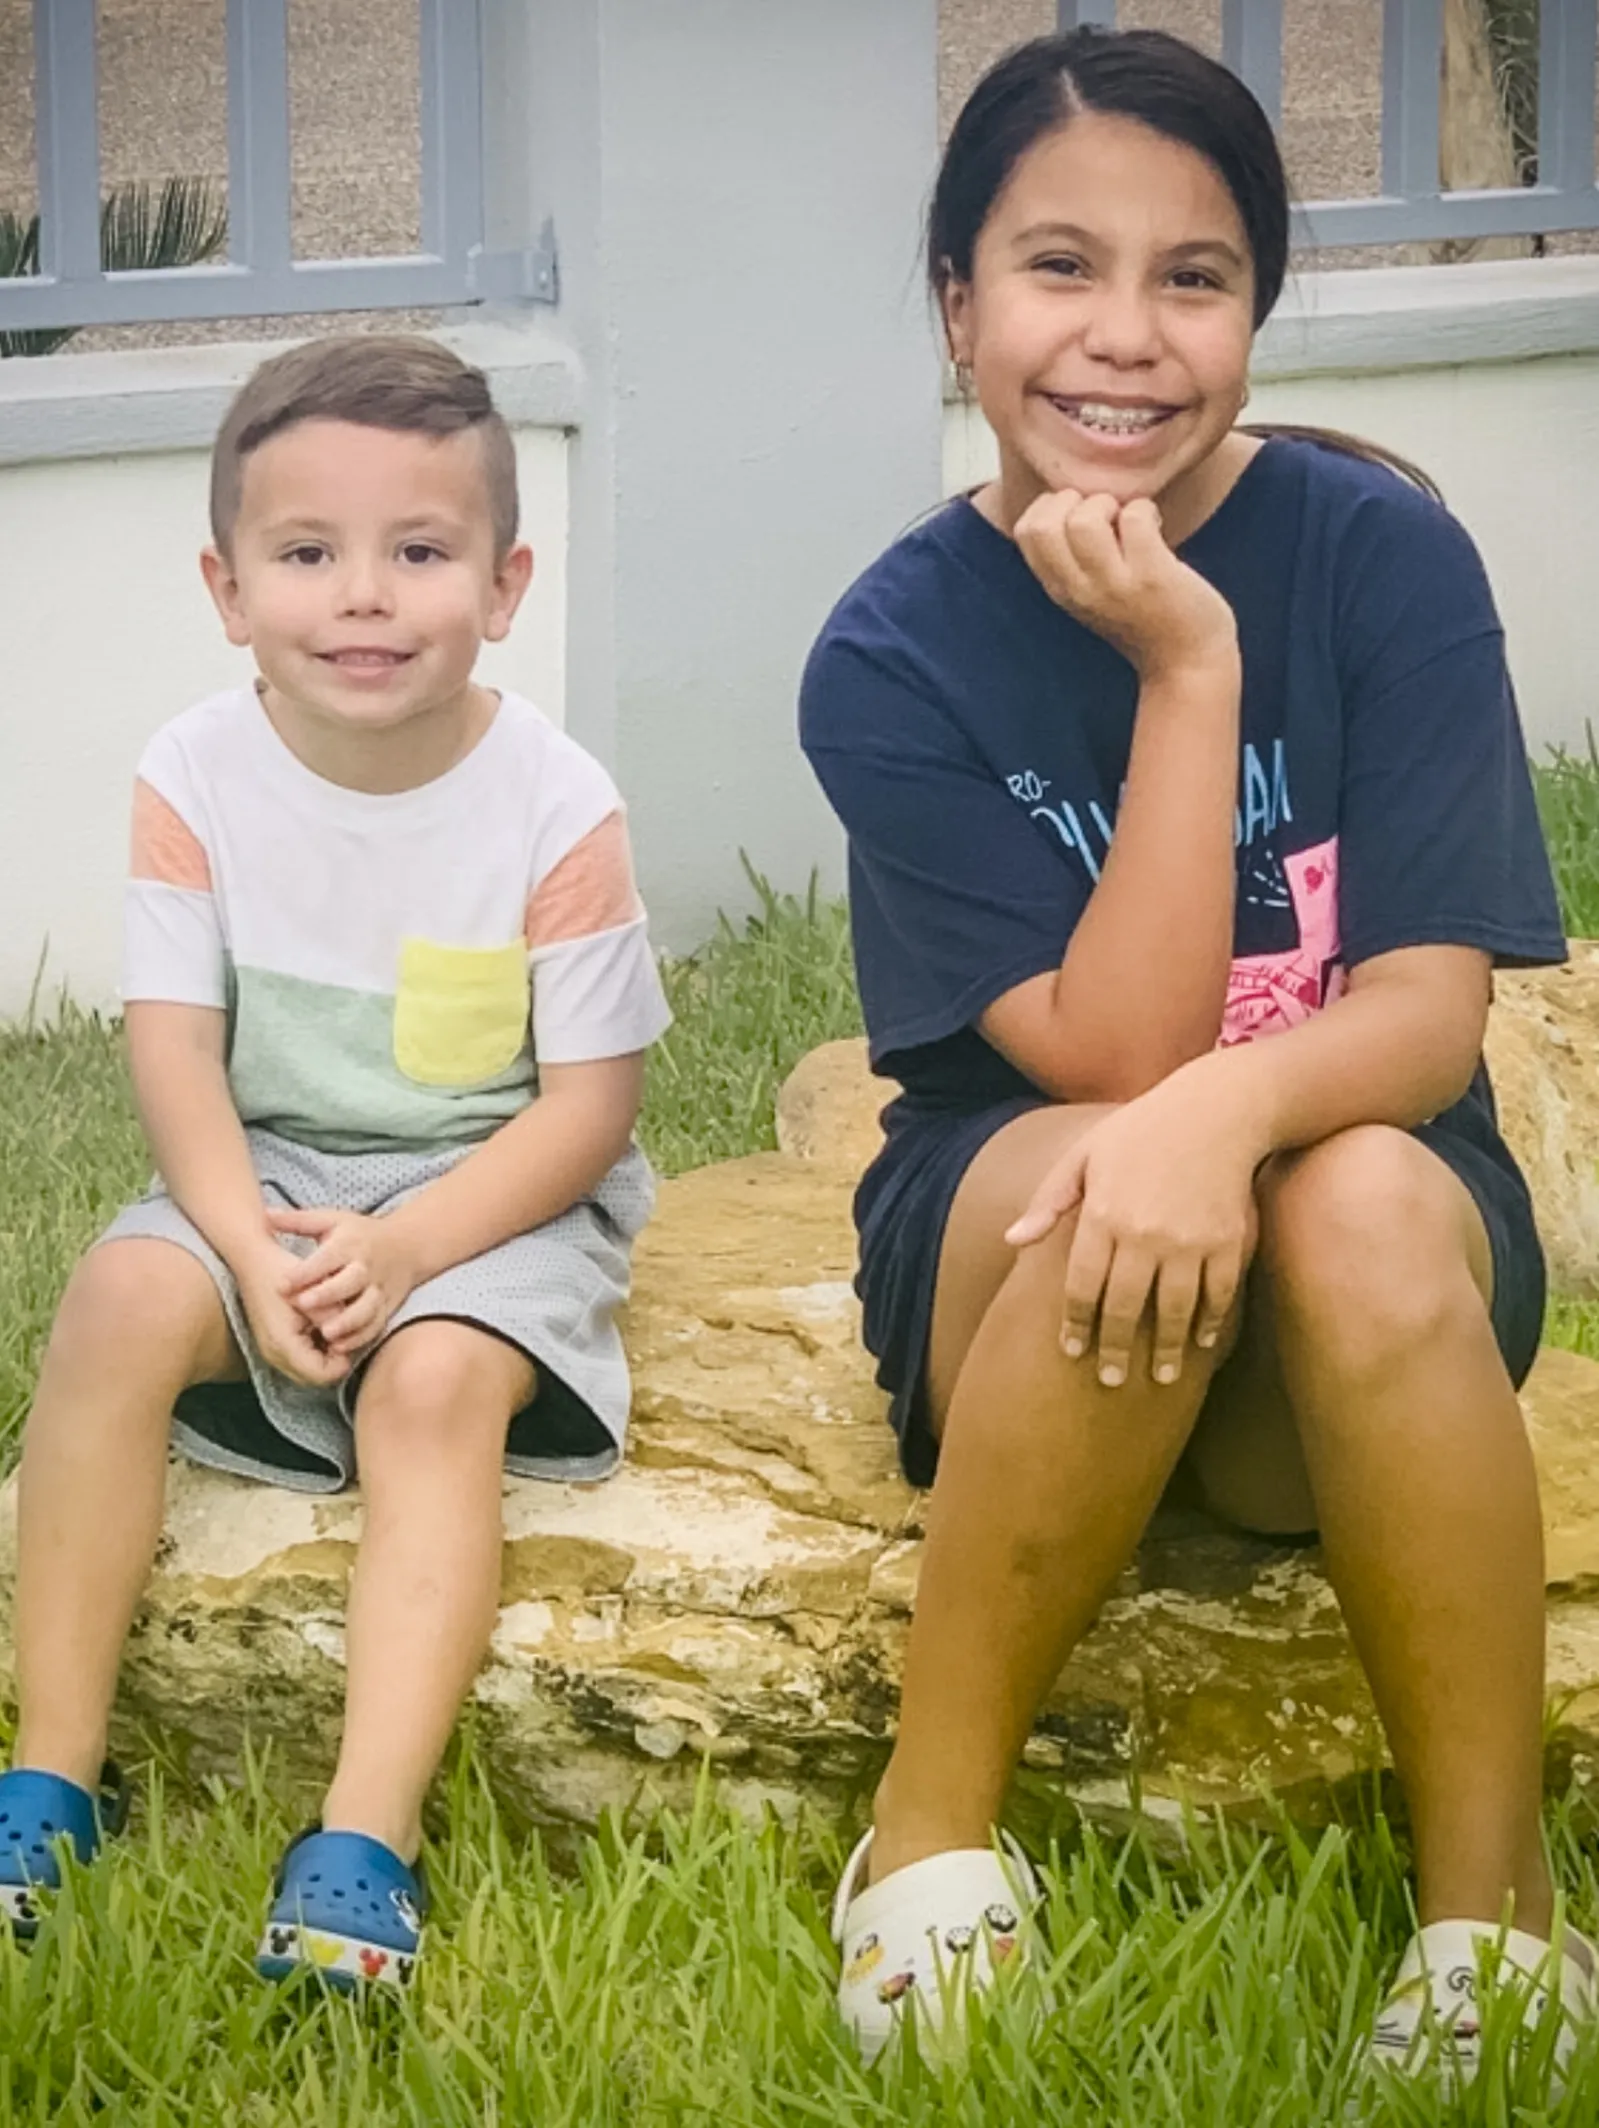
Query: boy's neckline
[{"x": 359, "y": 794}]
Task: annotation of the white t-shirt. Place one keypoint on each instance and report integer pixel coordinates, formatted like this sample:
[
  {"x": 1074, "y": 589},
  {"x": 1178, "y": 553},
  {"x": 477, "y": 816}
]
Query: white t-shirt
[{"x": 393, "y": 966}]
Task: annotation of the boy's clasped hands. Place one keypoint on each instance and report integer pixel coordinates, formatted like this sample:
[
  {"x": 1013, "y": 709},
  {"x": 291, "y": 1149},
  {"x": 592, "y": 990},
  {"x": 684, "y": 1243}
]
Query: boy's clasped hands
[{"x": 314, "y": 1314}]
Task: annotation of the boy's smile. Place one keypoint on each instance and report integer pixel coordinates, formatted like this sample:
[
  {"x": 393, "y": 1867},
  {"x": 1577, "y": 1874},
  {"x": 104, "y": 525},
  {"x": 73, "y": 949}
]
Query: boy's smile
[{"x": 362, "y": 574}]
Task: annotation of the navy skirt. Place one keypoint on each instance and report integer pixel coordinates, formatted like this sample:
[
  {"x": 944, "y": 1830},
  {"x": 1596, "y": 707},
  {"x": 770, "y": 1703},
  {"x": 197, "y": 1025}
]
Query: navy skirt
[{"x": 902, "y": 1206}]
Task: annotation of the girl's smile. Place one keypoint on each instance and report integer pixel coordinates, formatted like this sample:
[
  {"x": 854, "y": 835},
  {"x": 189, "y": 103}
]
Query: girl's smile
[{"x": 1107, "y": 322}]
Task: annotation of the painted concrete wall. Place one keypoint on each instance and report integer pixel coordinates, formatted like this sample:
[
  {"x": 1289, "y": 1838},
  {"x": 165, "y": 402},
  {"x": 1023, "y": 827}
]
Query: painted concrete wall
[
  {"x": 737, "y": 191},
  {"x": 106, "y": 632},
  {"x": 1515, "y": 448}
]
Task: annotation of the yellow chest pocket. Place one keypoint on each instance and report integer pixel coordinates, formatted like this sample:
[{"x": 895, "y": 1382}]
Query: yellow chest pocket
[{"x": 460, "y": 1012}]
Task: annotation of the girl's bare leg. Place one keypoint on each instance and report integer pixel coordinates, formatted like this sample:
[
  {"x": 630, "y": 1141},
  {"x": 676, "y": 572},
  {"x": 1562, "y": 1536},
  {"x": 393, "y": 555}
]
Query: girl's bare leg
[
  {"x": 1367, "y": 1397},
  {"x": 140, "y": 1321},
  {"x": 1045, "y": 1483},
  {"x": 431, "y": 1421},
  {"x": 1426, "y": 1498}
]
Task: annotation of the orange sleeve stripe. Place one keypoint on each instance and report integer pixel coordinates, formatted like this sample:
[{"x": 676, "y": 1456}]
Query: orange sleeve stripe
[
  {"x": 165, "y": 847},
  {"x": 590, "y": 890}
]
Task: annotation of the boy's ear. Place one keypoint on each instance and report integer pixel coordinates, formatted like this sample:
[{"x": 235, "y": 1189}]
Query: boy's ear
[
  {"x": 223, "y": 586},
  {"x": 512, "y": 575}
]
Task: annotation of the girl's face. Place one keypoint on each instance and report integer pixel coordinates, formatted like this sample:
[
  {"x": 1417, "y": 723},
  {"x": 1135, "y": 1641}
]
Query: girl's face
[{"x": 1108, "y": 320}]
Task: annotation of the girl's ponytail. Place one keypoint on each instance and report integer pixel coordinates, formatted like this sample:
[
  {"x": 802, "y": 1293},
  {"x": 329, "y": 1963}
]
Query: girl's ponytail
[{"x": 1351, "y": 446}]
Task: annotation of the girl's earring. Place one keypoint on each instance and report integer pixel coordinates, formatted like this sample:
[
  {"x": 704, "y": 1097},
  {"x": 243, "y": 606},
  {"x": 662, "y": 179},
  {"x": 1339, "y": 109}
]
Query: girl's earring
[{"x": 963, "y": 379}]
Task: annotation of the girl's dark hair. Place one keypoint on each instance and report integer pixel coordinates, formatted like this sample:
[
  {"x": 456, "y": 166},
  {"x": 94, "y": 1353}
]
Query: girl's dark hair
[
  {"x": 1161, "y": 82},
  {"x": 1146, "y": 75}
]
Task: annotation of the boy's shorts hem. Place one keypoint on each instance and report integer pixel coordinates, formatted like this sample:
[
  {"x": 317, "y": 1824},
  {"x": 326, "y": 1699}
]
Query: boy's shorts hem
[{"x": 554, "y": 1293}]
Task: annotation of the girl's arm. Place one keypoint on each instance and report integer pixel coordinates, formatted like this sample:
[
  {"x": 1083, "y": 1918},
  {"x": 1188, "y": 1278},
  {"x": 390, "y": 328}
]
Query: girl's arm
[
  {"x": 1163, "y": 1186},
  {"x": 1143, "y": 983},
  {"x": 175, "y": 1054},
  {"x": 534, "y": 1168},
  {"x": 1400, "y": 1045}
]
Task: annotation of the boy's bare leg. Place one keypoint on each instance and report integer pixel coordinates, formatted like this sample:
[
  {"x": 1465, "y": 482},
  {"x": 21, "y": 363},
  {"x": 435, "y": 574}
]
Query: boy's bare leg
[
  {"x": 431, "y": 1421},
  {"x": 1045, "y": 1483},
  {"x": 140, "y": 1321}
]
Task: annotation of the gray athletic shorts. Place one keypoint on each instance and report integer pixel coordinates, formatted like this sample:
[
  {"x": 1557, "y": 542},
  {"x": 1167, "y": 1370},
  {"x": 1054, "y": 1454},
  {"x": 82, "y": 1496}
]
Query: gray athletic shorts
[{"x": 554, "y": 1293}]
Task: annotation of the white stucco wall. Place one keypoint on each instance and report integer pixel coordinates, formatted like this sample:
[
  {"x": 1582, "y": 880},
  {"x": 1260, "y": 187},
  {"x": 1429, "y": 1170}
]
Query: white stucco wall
[{"x": 106, "y": 631}]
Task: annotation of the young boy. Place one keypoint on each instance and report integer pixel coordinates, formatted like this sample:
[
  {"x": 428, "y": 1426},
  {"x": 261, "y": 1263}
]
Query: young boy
[{"x": 388, "y": 990}]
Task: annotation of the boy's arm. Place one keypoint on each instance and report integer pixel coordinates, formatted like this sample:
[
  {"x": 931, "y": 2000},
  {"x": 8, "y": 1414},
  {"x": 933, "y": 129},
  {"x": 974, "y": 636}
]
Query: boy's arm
[
  {"x": 175, "y": 1054},
  {"x": 532, "y": 1170},
  {"x": 180, "y": 1083}
]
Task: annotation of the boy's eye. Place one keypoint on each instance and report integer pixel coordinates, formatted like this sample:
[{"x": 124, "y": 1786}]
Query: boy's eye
[
  {"x": 419, "y": 550},
  {"x": 306, "y": 553}
]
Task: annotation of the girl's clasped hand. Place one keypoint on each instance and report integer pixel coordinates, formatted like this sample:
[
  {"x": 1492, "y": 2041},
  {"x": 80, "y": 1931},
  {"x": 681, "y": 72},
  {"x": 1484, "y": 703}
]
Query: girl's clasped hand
[
  {"x": 1162, "y": 1194},
  {"x": 1162, "y": 1188}
]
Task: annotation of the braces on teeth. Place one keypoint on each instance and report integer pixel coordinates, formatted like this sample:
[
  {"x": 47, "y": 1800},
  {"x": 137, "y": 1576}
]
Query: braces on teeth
[{"x": 1116, "y": 417}]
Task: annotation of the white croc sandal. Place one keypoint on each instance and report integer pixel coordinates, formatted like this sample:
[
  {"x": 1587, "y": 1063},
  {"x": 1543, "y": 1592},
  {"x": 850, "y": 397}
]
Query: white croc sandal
[
  {"x": 926, "y": 1937},
  {"x": 1434, "y": 2010}
]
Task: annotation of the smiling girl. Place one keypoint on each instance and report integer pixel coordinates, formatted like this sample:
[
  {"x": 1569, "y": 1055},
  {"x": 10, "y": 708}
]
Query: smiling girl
[{"x": 1188, "y": 817}]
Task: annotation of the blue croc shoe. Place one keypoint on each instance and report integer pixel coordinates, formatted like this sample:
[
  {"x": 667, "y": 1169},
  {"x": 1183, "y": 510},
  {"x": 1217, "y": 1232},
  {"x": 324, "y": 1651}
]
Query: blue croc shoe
[
  {"x": 346, "y": 1907},
  {"x": 37, "y": 1811}
]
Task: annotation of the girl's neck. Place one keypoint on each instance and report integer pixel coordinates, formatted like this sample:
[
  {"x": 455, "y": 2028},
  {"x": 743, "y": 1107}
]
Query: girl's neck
[{"x": 1184, "y": 506}]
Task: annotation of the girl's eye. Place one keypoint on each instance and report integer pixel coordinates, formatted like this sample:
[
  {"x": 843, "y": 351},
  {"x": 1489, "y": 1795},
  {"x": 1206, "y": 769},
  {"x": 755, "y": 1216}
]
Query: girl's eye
[
  {"x": 1063, "y": 267},
  {"x": 418, "y": 551},
  {"x": 1195, "y": 277}
]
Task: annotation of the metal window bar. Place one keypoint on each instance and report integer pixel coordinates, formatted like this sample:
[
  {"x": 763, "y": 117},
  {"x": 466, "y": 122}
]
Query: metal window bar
[
  {"x": 1412, "y": 207},
  {"x": 261, "y": 277}
]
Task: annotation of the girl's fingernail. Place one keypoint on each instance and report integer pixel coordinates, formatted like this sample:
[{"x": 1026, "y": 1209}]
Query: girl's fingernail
[
  {"x": 1072, "y": 1347},
  {"x": 1166, "y": 1373},
  {"x": 1205, "y": 1338},
  {"x": 1111, "y": 1377}
]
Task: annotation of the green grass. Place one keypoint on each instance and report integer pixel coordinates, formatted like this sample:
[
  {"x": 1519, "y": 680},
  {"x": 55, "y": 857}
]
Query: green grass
[
  {"x": 677, "y": 1971},
  {"x": 1568, "y": 803}
]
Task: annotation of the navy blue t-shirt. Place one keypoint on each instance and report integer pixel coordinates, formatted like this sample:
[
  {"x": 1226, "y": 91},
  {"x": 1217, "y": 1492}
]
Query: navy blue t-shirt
[{"x": 973, "y": 739}]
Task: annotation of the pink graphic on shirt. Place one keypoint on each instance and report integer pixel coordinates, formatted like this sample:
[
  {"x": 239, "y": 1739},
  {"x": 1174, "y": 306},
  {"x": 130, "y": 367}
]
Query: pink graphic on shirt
[{"x": 1267, "y": 992}]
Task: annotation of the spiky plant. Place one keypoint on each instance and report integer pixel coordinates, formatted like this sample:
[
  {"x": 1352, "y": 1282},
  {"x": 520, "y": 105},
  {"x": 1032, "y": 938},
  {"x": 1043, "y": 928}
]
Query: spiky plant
[
  {"x": 183, "y": 221},
  {"x": 1513, "y": 31}
]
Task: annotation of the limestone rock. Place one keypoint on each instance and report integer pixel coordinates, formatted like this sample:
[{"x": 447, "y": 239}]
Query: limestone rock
[
  {"x": 740, "y": 1591},
  {"x": 827, "y": 1108},
  {"x": 1543, "y": 1053}
]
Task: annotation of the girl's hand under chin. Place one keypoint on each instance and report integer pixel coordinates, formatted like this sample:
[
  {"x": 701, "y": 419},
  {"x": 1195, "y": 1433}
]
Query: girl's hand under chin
[
  {"x": 1109, "y": 566},
  {"x": 1163, "y": 1190}
]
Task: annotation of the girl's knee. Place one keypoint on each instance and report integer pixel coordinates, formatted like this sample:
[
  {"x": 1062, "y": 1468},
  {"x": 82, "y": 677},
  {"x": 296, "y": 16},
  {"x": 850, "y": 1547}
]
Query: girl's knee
[{"x": 1365, "y": 1245}]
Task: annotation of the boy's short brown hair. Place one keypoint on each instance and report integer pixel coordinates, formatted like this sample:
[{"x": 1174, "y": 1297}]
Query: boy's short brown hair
[{"x": 379, "y": 381}]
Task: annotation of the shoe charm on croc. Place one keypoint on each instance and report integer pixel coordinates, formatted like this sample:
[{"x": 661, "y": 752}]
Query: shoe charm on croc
[
  {"x": 346, "y": 1907},
  {"x": 1433, "y": 2012},
  {"x": 929, "y": 1936},
  {"x": 37, "y": 1811}
]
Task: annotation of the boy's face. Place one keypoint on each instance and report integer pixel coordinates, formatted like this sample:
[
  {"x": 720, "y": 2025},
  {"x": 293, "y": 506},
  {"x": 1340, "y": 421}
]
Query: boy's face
[{"x": 363, "y": 574}]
